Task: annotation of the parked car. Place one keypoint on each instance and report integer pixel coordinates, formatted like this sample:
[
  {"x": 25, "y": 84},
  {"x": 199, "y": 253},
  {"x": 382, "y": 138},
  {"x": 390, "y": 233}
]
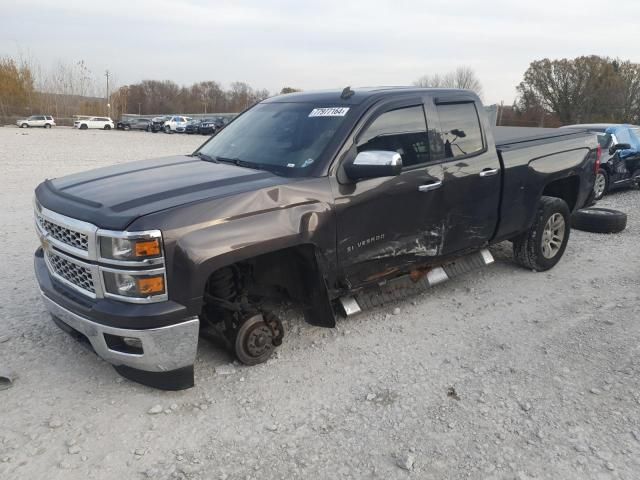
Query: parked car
[
  {"x": 157, "y": 123},
  {"x": 620, "y": 163},
  {"x": 335, "y": 200},
  {"x": 209, "y": 126},
  {"x": 176, "y": 124},
  {"x": 193, "y": 126},
  {"x": 136, "y": 124},
  {"x": 104, "y": 123},
  {"x": 45, "y": 121},
  {"x": 122, "y": 123}
]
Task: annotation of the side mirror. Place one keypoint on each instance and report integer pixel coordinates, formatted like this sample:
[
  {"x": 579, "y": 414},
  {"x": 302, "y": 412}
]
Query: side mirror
[
  {"x": 374, "y": 164},
  {"x": 618, "y": 146}
]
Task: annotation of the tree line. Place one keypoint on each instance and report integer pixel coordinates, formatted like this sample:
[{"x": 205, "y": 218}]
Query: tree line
[
  {"x": 159, "y": 97},
  {"x": 585, "y": 89}
]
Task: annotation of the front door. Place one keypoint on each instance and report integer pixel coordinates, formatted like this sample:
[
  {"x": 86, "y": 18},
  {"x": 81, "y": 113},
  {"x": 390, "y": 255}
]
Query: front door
[{"x": 385, "y": 224}]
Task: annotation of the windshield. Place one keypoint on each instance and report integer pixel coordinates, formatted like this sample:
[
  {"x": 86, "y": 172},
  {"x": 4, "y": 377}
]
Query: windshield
[{"x": 281, "y": 137}]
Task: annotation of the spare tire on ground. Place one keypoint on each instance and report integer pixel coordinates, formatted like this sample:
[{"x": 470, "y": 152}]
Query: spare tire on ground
[{"x": 599, "y": 220}]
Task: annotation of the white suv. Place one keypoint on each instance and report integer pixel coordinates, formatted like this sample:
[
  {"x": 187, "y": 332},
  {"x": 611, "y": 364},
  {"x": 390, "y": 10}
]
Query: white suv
[
  {"x": 176, "y": 124},
  {"x": 104, "y": 123},
  {"x": 45, "y": 121}
]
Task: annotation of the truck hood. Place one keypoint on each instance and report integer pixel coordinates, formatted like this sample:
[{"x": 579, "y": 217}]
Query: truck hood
[{"x": 113, "y": 197}]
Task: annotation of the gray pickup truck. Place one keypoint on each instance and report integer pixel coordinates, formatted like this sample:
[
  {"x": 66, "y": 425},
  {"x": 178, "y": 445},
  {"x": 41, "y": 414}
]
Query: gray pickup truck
[{"x": 336, "y": 200}]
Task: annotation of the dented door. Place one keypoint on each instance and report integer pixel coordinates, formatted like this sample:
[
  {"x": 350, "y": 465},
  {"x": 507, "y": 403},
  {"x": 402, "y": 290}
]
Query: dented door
[{"x": 385, "y": 224}]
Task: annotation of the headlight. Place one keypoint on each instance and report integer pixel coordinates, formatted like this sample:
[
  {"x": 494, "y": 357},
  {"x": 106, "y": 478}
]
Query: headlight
[
  {"x": 141, "y": 285},
  {"x": 131, "y": 246},
  {"x": 126, "y": 251}
]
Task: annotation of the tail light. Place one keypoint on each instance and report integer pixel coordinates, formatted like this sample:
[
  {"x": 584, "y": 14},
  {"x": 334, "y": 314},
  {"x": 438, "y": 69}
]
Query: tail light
[{"x": 598, "y": 155}]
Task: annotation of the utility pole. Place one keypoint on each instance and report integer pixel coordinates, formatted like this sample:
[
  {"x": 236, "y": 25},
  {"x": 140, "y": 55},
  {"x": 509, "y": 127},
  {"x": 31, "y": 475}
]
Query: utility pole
[
  {"x": 139, "y": 108},
  {"x": 107, "y": 74}
]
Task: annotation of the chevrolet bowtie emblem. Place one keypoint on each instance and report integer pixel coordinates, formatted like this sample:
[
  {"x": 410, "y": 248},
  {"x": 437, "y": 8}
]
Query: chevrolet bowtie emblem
[{"x": 44, "y": 241}]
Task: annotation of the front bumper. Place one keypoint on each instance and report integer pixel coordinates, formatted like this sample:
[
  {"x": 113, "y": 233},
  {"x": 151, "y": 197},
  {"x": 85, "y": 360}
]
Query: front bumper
[{"x": 161, "y": 357}]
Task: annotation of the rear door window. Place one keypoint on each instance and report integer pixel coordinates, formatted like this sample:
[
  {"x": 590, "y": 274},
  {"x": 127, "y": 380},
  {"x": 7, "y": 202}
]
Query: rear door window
[
  {"x": 459, "y": 133},
  {"x": 403, "y": 131}
]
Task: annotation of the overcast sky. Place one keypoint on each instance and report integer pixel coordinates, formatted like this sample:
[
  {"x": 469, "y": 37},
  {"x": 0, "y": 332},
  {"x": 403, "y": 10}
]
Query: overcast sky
[{"x": 318, "y": 44}]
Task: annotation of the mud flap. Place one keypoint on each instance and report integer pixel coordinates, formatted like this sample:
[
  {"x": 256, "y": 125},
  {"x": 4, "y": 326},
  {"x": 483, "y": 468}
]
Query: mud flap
[{"x": 318, "y": 311}]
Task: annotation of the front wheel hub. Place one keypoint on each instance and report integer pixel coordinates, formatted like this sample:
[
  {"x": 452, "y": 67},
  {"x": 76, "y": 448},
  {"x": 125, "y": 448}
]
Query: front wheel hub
[{"x": 257, "y": 338}]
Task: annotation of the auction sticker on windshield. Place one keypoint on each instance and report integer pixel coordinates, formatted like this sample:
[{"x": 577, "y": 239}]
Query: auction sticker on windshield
[{"x": 329, "y": 112}]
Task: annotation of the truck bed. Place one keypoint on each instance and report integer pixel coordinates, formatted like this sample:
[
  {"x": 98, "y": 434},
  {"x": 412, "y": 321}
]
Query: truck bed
[
  {"x": 529, "y": 158},
  {"x": 513, "y": 138}
]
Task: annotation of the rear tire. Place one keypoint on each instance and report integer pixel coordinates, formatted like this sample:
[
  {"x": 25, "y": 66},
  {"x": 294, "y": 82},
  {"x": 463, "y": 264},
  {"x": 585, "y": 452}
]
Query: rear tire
[
  {"x": 47, "y": 125},
  {"x": 601, "y": 184},
  {"x": 125, "y": 128},
  {"x": 24, "y": 125},
  {"x": 83, "y": 126},
  {"x": 599, "y": 220},
  {"x": 542, "y": 246},
  {"x": 107, "y": 127}
]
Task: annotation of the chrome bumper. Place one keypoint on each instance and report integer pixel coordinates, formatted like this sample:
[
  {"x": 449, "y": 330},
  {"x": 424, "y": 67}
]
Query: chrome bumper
[{"x": 164, "y": 349}]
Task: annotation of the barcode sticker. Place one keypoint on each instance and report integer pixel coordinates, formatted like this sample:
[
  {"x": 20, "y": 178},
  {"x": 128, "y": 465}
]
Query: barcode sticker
[{"x": 329, "y": 112}]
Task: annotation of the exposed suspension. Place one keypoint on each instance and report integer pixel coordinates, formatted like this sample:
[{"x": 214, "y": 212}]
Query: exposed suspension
[{"x": 247, "y": 329}]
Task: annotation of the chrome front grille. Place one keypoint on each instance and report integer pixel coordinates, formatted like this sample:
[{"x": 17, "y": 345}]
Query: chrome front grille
[
  {"x": 63, "y": 234},
  {"x": 72, "y": 255},
  {"x": 77, "y": 275}
]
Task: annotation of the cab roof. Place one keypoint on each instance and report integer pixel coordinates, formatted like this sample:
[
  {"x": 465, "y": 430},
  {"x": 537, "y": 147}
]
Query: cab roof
[{"x": 361, "y": 94}]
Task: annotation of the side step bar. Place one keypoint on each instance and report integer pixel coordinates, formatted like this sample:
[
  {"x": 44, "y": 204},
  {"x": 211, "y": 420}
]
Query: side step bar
[{"x": 408, "y": 285}]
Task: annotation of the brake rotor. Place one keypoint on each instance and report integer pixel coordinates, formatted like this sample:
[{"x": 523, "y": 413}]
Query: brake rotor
[{"x": 257, "y": 338}]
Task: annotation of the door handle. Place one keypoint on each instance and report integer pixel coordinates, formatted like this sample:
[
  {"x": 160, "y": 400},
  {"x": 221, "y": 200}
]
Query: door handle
[
  {"x": 430, "y": 186},
  {"x": 489, "y": 172}
]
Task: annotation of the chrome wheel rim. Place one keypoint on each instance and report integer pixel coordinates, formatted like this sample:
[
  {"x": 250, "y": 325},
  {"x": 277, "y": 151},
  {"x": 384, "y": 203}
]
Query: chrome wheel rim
[
  {"x": 600, "y": 185},
  {"x": 553, "y": 235}
]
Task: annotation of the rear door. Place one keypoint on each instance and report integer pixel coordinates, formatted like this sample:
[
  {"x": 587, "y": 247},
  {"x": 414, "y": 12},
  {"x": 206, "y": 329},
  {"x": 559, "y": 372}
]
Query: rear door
[{"x": 469, "y": 171}]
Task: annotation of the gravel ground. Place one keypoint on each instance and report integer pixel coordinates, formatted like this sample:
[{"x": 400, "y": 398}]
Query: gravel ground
[{"x": 500, "y": 374}]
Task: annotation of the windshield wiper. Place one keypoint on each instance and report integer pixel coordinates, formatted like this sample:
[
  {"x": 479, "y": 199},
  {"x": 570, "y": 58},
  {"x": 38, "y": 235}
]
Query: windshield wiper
[
  {"x": 240, "y": 163},
  {"x": 205, "y": 157}
]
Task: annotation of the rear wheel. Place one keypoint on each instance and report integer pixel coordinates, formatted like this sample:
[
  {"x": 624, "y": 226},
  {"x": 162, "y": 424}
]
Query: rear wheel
[
  {"x": 148, "y": 129},
  {"x": 47, "y": 125},
  {"x": 24, "y": 125},
  {"x": 543, "y": 245},
  {"x": 601, "y": 184},
  {"x": 107, "y": 127},
  {"x": 83, "y": 126},
  {"x": 126, "y": 127}
]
